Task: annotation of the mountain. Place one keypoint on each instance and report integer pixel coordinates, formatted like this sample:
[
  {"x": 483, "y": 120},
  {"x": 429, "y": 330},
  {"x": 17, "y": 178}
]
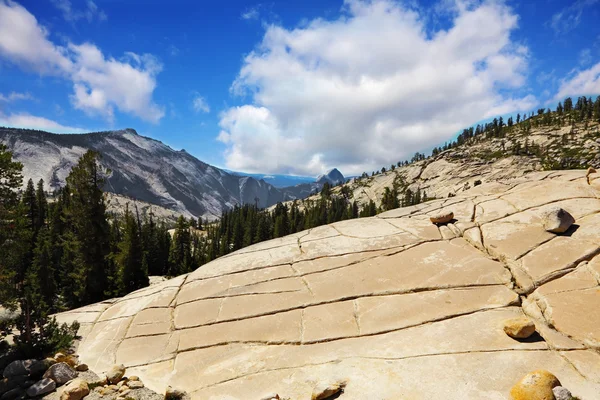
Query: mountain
[
  {"x": 279, "y": 181},
  {"x": 333, "y": 177},
  {"x": 140, "y": 168}
]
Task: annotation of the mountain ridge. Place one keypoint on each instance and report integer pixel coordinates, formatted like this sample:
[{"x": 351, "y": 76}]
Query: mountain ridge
[{"x": 143, "y": 168}]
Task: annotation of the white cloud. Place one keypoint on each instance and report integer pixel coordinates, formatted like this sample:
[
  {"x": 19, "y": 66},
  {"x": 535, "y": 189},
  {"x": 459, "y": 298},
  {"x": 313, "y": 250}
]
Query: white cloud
[
  {"x": 251, "y": 13},
  {"x": 199, "y": 104},
  {"x": 569, "y": 17},
  {"x": 15, "y": 96},
  {"x": 586, "y": 82},
  {"x": 585, "y": 57},
  {"x": 89, "y": 13},
  {"x": 371, "y": 87},
  {"x": 100, "y": 83},
  {"x": 24, "y": 120}
]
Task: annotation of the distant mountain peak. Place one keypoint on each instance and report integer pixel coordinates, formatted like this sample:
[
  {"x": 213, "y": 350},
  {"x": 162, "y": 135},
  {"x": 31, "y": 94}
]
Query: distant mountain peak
[{"x": 334, "y": 177}]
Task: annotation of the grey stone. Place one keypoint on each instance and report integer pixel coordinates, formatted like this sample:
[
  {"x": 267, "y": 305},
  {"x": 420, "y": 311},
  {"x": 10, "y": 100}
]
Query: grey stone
[
  {"x": 442, "y": 217},
  {"x": 60, "y": 373},
  {"x": 115, "y": 374},
  {"x": 41, "y": 387},
  {"x": 135, "y": 384},
  {"x": 19, "y": 367},
  {"x": 561, "y": 393},
  {"x": 557, "y": 220},
  {"x": 39, "y": 367}
]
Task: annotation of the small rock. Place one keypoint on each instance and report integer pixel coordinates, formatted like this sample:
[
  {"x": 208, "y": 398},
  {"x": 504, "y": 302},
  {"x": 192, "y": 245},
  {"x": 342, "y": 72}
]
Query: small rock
[
  {"x": 76, "y": 390},
  {"x": 121, "y": 383},
  {"x": 39, "y": 367},
  {"x": 97, "y": 382},
  {"x": 61, "y": 373},
  {"x": 557, "y": 220},
  {"x": 536, "y": 385},
  {"x": 13, "y": 394},
  {"x": 324, "y": 391},
  {"x": 442, "y": 217},
  {"x": 60, "y": 357},
  {"x": 42, "y": 387},
  {"x": 135, "y": 384},
  {"x": 125, "y": 392},
  {"x": 115, "y": 374},
  {"x": 174, "y": 394},
  {"x": 123, "y": 388},
  {"x": 562, "y": 393},
  {"x": 82, "y": 367},
  {"x": 134, "y": 378},
  {"x": 16, "y": 368},
  {"x": 519, "y": 328}
]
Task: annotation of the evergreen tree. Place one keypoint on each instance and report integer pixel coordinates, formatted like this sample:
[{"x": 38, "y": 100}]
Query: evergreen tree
[
  {"x": 10, "y": 181},
  {"x": 180, "y": 258},
  {"x": 132, "y": 272},
  {"x": 89, "y": 228},
  {"x": 42, "y": 206}
]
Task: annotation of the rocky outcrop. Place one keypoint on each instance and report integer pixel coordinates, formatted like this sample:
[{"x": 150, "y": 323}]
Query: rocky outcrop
[{"x": 382, "y": 304}]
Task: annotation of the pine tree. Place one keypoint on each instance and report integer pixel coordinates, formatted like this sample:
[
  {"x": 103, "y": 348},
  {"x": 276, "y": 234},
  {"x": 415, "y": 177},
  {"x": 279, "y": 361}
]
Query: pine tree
[
  {"x": 180, "y": 258},
  {"x": 43, "y": 271},
  {"x": 10, "y": 181},
  {"x": 130, "y": 259},
  {"x": 42, "y": 206},
  {"x": 89, "y": 228}
]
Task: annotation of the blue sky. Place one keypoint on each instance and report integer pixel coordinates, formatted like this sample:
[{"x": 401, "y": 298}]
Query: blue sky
[{"x": 292, "y": 87}]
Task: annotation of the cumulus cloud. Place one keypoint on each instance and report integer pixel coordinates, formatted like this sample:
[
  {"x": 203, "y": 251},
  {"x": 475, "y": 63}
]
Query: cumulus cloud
[
  {"x": 100, "y": 83},
  {"x": 583, "y": 82},
  {"x": 15, "y": 96},
  {"x": 90, "y": 12},
  {"x": 199, "y": 104},
  {"x": 24, "y": 120},
  {"x": 371, "y": 87}
]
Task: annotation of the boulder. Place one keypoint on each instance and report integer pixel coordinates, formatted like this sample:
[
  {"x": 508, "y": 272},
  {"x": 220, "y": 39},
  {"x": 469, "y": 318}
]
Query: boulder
[
  {"x": 115, "y": 374},
  {"x": 519, "y": 328},
  {"x": 562, "y": 393},
  {"x": 174, "y": 394},
  {"x": 135, "y": 384},
  {"x": 39, "y": 367},
  {"x": 19, "y": 367},
  {"x": 76, "y": 390},
  {"x": 322, "y": 392},
  {"x": 41, "y": 387},
  {"x": 82, "y": 367},
  {"x": 442, "y": 217},
  {"x": 536, "y": 385},
  {"x": 557, "y": 220},
  {"x": 60, "y": 373}
]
